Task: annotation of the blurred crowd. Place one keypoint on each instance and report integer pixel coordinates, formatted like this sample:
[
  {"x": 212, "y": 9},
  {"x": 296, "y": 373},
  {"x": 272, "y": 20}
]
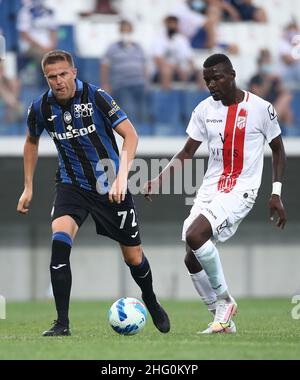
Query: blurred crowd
[{"x": 124, "y": 69}]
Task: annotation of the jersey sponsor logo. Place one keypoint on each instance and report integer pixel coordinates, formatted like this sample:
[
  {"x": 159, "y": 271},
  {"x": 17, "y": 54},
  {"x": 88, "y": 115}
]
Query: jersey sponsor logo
[
  {"x": 223, "y": 139},
  {"x": 72, "y": 133},
  {"x": 272, "y": 113},
  {"x": 214, "y": 120},
  {"x": 52, "y": 117},
  {"x": 67, "y": 117},
  {"x": 114, "y": 109},
  {"x": 220, "y": 152},
  {"x": 83, "y": 110}
]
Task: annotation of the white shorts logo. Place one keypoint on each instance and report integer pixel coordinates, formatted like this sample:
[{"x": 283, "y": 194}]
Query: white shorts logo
[{"x": 221, "y": 227}]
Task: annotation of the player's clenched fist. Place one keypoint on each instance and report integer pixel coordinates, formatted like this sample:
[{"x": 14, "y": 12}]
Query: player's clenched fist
[{"x": 24, "y": 201}]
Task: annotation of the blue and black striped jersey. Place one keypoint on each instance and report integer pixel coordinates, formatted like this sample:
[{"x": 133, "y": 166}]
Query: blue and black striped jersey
[{"x": 82, "y": 131}]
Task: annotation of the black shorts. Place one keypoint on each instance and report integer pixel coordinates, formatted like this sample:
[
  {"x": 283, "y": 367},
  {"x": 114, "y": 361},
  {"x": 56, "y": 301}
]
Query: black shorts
[{"x": 117, "y": 221}]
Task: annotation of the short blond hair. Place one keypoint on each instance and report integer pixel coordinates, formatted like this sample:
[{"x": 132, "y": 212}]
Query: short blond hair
[{"x": 54, "y": 56}]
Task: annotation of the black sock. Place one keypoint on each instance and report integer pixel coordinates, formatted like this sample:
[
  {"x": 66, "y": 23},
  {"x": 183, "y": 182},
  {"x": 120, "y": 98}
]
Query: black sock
[
  {"x": 61, "y": 279},
  {"x": 143, "y": 277}
]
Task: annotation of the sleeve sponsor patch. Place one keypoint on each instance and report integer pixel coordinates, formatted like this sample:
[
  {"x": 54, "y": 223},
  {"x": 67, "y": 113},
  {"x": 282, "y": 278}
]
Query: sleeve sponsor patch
[{"x": 272, "y": 113}]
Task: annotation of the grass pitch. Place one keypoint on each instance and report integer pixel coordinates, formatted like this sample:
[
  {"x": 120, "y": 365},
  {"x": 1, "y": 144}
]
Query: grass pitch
[{"x": 266, "y": 330}]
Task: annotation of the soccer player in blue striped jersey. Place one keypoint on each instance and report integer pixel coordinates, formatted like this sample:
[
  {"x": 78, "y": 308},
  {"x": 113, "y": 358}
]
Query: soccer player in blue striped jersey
[{"x": 91, "y": 179}]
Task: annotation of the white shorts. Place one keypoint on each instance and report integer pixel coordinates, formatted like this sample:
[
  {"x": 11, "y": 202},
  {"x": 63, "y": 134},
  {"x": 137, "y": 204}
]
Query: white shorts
[{"x": 224, "y": 213}]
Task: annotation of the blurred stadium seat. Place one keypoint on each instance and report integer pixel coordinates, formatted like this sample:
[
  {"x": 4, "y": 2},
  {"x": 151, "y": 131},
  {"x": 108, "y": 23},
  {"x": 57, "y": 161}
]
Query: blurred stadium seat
[
  {"x": 88, "y": 70},
  {"x": 165, "y": 108},
  {"x": 87, "y": 39},
  {"x": 190, "y": 99},
  {"x": 296, "y": 107},
  {"x": 8, "y": 16},
  {"x": 65, "y": 38}
]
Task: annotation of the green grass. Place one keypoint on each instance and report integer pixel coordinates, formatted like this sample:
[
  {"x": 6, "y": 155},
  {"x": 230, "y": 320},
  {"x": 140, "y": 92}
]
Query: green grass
[{"x": 266, "y": 330}]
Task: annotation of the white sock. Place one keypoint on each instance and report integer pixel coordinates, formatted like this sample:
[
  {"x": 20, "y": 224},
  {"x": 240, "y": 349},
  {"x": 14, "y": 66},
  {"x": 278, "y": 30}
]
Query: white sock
[
  {"x": 204, "y": 289},
  {"x": 208, "y": 257}
]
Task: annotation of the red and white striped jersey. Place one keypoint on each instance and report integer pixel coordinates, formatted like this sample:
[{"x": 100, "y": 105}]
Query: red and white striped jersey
[{"x": 235, "y": 136}]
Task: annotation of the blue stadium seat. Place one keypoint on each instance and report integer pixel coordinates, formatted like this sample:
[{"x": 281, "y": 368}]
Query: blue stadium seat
[
  {"x": 144, "y": 129},
  {"x": 30, "y": 93},
  {"x": 8, "y": 16},
  {"x": 191, "y": 98},
  {"x": 165, "y": 112},
  {"x": 88, "y": 70},
  {"x": 10, "y": 128}
]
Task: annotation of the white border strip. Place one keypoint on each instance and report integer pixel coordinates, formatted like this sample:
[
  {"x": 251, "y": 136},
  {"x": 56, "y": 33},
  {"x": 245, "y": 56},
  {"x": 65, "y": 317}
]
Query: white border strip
[{"x": 148, "y": 146}]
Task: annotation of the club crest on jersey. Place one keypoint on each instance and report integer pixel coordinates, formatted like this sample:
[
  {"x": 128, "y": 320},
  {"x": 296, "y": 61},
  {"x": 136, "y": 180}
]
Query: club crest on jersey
[
  {"x": 242, "y": 118},
  {"x": 83, "y": 110},
  {"x": 67, "y": 117}
]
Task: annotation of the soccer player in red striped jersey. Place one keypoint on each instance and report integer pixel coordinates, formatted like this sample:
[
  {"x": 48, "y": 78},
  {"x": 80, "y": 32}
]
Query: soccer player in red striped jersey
[{"x": 235, "y": 124}]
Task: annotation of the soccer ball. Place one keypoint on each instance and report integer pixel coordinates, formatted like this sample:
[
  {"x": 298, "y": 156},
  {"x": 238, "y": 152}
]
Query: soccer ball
[{"x": 127, "y": 316}]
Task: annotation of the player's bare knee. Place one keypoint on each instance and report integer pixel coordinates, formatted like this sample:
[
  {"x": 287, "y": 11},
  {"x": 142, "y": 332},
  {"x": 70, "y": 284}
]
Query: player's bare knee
[
  {"x": 194, "y": 239},
  {"x": 134, "y": 260},
  {"x": 191, "y": 262},
  {"x": 132, "y": 255},
  {"x": 65, "y": 224}
]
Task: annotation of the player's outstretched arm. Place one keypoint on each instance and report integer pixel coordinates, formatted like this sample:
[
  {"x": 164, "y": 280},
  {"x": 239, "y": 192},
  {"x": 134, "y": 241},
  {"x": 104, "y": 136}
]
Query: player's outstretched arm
[
  {"x": 176, "y": 163},
  {"x": 119, "y": 187},
  {"x": 30, "y": 155},
  {"x": 278, "y": 162}
]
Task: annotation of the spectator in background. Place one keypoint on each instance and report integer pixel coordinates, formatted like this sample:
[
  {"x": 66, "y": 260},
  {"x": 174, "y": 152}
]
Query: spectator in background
[
  {"x": 290, "y": 55},
  {"x": 197, "y": 21},
  {"x": 9, "y": 93},
  {"x": 38, "y": 34},
  {"x": 243, "y": 10},
  {"x": 37, "y": 27},
  {"x": 123, "y": 73},
  {"x": 266, "y": 84},
  {"x": 173, "y": 55},
  {"x": 106, "y": 7}
]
